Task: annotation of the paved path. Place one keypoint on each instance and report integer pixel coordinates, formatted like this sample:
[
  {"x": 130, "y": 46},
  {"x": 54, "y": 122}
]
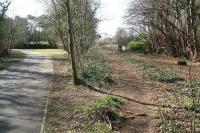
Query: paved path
[{"x": 23, "y": 94}]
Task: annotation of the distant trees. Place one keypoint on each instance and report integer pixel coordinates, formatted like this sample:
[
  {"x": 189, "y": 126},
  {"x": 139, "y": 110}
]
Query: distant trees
[
  {"x": 4, "y": 4},
  {"x": 172, "y": 26},
  {"x": 75, "y": 23},
  {"x": 5, "y": 31},
  {"x": 123, "y": 37}
]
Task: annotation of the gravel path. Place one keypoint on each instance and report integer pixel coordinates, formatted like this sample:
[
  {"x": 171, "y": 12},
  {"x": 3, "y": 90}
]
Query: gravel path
[{"x": 23, "y": 94}]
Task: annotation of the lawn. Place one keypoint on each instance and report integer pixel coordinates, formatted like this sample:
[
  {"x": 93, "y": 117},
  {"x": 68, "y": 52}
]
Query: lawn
[{"x": 53, "y": 53}]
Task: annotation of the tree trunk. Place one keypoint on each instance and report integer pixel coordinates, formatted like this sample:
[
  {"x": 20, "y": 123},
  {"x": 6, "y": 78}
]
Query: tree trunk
[{"x": 72, "y": 49}]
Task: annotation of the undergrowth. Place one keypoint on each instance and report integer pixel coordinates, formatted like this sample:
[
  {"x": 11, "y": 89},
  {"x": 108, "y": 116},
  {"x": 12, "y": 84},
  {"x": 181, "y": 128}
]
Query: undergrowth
[
  {"x": 105, "y": 110},
  {"x": 112, "y": 102},
  {"x": 185, "y": 117},
  {"x": 95, "y": 69},
  {"x": 162, "y": 74}
]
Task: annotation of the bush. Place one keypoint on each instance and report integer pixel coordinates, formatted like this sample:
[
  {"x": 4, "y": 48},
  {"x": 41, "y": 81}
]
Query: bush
[
  {"x": 111, "y": 102},
  {"x": 106, "y": 110},
  {"x": 35, "y": 46},
  {"x": 95, "y": 70},
  {"x": 140, "y": 45}
]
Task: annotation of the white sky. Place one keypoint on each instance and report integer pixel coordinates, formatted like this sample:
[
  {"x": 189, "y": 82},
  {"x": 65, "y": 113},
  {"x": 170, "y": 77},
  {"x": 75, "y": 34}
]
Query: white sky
[
  {"x": 111, "y": 12},
  {"x": 25, "y": 7}
]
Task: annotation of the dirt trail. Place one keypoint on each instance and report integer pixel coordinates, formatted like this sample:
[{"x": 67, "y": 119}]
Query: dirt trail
[{"x": 135, "y": 85}]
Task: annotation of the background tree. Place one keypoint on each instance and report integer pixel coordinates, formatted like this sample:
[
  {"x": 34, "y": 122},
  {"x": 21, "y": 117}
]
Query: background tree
[
  {"x": 75, "y": 23},
  {"x": 172, "y": 26},
  {"x": 4, "y": 48}
]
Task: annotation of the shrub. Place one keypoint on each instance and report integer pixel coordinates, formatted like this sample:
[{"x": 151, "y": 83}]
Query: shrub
[
  {"x": 106, "y": 109},
  {"x": 22, "y": 45},
  {"x": 111, "y": 102},
  {"x": 140, "y": 45},
  {"x": 95, "y": 70}
]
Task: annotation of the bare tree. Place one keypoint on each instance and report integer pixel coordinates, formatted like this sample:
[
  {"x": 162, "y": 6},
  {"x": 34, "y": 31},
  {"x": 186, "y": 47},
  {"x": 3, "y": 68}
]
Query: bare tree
[
  {"x": 172, "y": 26},
  {"x": 75, "y": 22}
]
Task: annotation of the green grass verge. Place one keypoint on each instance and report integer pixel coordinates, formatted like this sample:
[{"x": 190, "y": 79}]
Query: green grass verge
[
  {"x": 162, "y": 74},
  {"x": 53, "y": 53},
  {"x": 10, "y": 59}
]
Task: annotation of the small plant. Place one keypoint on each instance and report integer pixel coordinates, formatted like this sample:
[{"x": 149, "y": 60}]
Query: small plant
[
  {"x": 106, "y": 110},
  {"x": 95, "y": 70},
  {"x": 112, "y": 102},
  {"x": 185, "y": 117},
  {"x": 163, "y": 74}
]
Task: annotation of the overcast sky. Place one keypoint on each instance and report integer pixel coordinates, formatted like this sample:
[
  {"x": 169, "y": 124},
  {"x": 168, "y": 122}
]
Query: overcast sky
[{"x": 111, "y": 12}]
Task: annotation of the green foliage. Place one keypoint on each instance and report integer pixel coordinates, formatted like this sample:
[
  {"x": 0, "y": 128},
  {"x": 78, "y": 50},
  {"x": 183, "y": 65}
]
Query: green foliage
[
  {"x": 184, "y": 118},
  {"x": 189, "y": 87},
  {"x": 140, "y": 45},
  {"x": 36, "y": 46},
  {"x": 112, "y": 102},
  {"x": 95, "y": 70},
  {"x": 162, "y": 74},
  {"x": 166, "y": 122}
]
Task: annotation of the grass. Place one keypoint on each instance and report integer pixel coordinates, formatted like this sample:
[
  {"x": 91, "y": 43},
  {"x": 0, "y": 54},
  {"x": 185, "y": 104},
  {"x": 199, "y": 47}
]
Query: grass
[
  {"x": 53, "y": 53},
  {"x": 162, "y": 74},
  {"x": 8, "y": 60}
]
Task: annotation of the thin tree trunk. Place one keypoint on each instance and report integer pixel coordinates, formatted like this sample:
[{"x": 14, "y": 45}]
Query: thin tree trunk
[{"x": 72, "y": 49}]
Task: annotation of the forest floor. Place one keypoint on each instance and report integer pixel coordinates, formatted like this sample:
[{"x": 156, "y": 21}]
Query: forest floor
[
  {"x": 67, "y": 102},
  {"x": 135, "y": 84}
]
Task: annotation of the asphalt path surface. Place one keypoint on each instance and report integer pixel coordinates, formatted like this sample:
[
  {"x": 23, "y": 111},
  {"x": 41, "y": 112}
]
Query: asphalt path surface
[{"x": 24, "y": 94}]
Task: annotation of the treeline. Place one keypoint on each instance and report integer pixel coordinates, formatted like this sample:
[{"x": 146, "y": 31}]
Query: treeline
[
  {"x": 28, "y": 32},
  {"x": 75, "y": 24},
  {"x": 5, "y": 31},
  {"x": 171, "y": 26}
]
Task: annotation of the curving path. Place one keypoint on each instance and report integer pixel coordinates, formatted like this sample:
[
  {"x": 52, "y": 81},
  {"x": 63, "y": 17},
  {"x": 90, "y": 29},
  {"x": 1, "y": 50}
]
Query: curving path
[{"x": 23, "y": 94}]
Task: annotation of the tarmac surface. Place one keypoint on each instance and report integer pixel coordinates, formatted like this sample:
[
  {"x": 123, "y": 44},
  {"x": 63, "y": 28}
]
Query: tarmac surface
[{"x": 24, "y": 94}]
